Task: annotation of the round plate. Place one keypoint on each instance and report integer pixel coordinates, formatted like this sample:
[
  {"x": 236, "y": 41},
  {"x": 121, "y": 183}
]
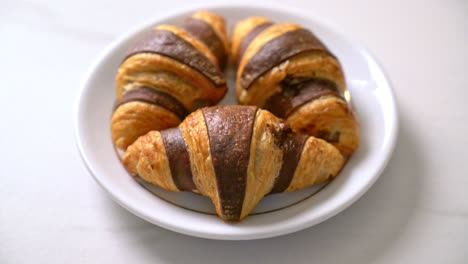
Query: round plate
[{"x": 278, "y": 214}]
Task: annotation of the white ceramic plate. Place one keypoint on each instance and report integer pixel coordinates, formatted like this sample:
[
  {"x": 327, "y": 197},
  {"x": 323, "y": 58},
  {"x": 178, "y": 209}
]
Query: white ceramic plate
[{"x": 276, "y": 214}]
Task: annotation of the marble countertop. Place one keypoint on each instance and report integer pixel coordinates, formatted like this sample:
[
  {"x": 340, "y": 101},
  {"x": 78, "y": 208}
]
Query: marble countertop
[{"x": 52, "y": 211}]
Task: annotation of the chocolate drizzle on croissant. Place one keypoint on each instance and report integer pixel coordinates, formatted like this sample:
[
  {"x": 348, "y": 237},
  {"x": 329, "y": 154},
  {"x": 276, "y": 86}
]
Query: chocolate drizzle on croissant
[{"x": 236, "y": 156}]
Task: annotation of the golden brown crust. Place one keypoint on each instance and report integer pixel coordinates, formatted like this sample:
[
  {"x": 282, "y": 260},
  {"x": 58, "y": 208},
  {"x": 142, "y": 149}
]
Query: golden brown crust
[
  {"x": 318, "y": 65},
  {"x": 182, "y": 82},
  {"x": 270, "y": 139},
  {"x": 267, "y": 35},
  {"x": 134, "y": 119},
  {"x": 218, "y": 24},
  {"x": 230, "y": 131},
  {"x": 147, "y": 159},
  {"x": 188, "y": 85},
  {"x": 241, "y": 29},
  {"x": 190, "y": 39},
  {"x": 319, "y": 161},
  {"x": 308, "y": 64},
  {"x": 329, "y": 118},
  {"x": 194, "y": 131},
  {"x": 265, "y": 160}
]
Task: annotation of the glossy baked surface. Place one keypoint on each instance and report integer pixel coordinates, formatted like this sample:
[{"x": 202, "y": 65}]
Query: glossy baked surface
[{"x": 372, "y": 99}]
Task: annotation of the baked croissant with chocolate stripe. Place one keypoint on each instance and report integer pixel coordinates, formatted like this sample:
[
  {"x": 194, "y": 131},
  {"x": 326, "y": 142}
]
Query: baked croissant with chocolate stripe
[
  {"x": 244, "y": 32},
  {"x": 235, "y": 155},
  {"x": 285, "y": 69},
  {"x": 165, "y": 75},
  {"x": 210, "y": 29}
]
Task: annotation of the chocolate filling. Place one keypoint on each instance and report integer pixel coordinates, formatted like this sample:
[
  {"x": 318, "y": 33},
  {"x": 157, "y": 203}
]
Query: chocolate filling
[
  {"x": 292, "y": 145},
  {"x": 230, "y": 131},
  {"x": 179, "y": 160},
  {"x": 206, "y": 34},
  {"x": 152, "y": 96},
  {"x": 278, "y": 50},
  {"x": 296, "y": 92},
  {"x": 167, "y": 43},
  {"x": 250, "y": 37}
]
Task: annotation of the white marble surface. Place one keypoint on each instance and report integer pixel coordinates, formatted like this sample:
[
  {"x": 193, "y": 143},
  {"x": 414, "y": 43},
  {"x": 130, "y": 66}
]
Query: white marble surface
[{"x": 51, "y": 211}]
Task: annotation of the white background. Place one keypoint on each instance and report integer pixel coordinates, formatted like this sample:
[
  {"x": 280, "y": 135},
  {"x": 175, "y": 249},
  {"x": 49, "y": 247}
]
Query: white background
[{"x": 52, "y": 211}]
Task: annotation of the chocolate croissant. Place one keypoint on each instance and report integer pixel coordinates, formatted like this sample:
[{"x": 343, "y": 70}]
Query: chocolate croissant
[
  {"x": 235, "y": 155},
  {"x": 210, "y": 29},
  {"x": 287, "y": 70},
  {"x": 244, "y": 32},
  {"x": 165, "y": 75}
]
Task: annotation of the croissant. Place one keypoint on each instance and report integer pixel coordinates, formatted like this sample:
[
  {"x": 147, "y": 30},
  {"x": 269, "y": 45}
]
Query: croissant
[
  {"x": 244, "y": 32},
  {"x": 167, "y": 74},
  {"x": 285, "y": 69},
  {"x": 235, "y": 155},
  {"x": 210, "y": 29}
]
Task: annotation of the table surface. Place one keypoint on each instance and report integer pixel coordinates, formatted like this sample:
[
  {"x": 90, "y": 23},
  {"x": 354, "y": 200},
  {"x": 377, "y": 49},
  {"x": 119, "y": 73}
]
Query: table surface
[{"x": 52, "y": 211}]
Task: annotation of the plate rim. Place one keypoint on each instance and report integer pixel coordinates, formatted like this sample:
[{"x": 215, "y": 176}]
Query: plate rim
[{"x": 100, "y": 59}]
